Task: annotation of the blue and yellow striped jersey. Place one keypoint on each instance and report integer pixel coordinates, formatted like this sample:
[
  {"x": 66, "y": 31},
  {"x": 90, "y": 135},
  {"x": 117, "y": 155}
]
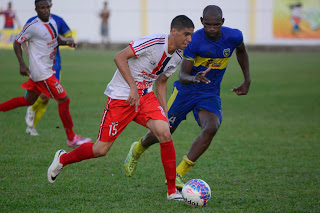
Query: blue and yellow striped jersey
[{"x": 206, "y": 53}]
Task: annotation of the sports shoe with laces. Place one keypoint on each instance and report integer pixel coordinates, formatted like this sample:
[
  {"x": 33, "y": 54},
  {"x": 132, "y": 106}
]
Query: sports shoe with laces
[
  {"x": 30, "y": 116},
  {"x": 175, "y": 196},
  {"x": 77, "y": 141},
  {"x": 32, "y": 131},
  {"x": 55, "y": 167},
  {"x": 179, "y": 183},
  {"x": 131, "y": 161}
]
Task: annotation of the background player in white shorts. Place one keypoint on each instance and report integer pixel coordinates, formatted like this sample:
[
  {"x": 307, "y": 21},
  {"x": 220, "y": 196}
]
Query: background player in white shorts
[{"x": 146, "y": 60}]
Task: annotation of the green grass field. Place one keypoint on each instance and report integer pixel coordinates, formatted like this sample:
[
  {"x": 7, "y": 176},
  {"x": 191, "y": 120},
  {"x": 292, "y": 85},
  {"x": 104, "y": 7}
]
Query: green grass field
[{"x": 265, "y": 157}]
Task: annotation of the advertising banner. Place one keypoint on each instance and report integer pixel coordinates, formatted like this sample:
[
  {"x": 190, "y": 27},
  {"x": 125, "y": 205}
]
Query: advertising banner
[{"x": 296, "y": 19}]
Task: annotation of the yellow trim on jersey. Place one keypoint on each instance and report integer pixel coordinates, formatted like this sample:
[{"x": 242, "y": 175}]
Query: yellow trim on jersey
[
  {"x": 189, "y": 59},
  {"x": 67, "y": 34},
  {"x": 214, "y": 63},
  {"x": 172, "y": 98}
]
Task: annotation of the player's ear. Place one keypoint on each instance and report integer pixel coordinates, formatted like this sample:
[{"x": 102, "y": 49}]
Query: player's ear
[
  {"x": 222, "y": 21},
  {"x": 201, "y": 19},
  {"x": 173, "y": 31}
]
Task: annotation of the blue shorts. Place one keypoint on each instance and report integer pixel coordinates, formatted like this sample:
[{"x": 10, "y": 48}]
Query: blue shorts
[{"x": 180, "y": 104}]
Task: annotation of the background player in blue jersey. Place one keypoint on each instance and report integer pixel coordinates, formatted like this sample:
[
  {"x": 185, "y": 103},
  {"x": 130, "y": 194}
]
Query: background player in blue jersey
[
  {"x": 37, "y": 110},
  {"x": 198, "y": 89}
]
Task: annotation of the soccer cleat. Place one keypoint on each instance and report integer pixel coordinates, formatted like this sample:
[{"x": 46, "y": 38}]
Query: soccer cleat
[
  {"x": 55, "y": 167},
  {"x": 130, "y": 164},
  {"x": 32, "y": 131},
  {"x": 77, "y": 141},
  {"x": 175, "y": 196},
  {"x": 30, "y": 116},
  {"x": 179, "y": 183}
]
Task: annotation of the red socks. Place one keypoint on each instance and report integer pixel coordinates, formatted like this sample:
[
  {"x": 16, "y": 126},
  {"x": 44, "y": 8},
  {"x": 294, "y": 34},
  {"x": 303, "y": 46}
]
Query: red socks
[
  {"x": 81, "y": 153},
  {"x": 66, "y": 118},
  {"x": 168, "y": 157},
  {"x": 14, "y": 103}
]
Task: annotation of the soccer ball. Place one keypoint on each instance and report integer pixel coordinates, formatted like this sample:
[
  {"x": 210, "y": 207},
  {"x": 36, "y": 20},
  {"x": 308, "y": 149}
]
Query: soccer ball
[{"x": 196, "y": 192}]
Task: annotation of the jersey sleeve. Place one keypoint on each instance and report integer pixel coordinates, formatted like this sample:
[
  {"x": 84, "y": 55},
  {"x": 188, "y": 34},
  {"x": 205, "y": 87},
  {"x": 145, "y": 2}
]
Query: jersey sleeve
[
  {"x": 25, "y": 34},
  {"x": 238, "y": 37},
  {"x": 144, "y": 45},
  {"x": 64, "y": 29},
  {"x": 190, "y": 52}
]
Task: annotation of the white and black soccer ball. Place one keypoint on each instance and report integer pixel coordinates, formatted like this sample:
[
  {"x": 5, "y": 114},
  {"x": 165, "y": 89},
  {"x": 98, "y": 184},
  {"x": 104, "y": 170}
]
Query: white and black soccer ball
[{"x": 196, "y": 192}]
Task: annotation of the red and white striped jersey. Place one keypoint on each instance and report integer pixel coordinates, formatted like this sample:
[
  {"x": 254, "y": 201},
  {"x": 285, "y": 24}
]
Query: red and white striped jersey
[
  {"x": 42, "y": 47},
  {"x": 151, "y": 59}
]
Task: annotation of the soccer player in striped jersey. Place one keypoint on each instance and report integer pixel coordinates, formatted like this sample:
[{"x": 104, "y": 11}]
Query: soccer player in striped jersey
[
  {"x": 198, "y": 88},
  {"x": 43, "y": 40},
  {"x": 37, "y": 110},
  {"x": 146, "y": 60}
]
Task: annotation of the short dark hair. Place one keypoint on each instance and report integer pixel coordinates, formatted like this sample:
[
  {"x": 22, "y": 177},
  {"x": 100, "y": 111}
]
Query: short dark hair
[
  {"x": 180, "y": 22},
  {"x": 212, "y": 10},
  {"x": 37, "y": 1}
]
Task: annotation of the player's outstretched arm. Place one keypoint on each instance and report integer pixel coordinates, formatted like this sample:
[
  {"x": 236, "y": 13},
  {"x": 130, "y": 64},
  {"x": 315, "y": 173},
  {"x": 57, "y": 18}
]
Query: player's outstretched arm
[
  {"x": 186, "y": 78},
  {"x": 243, "y": 60}
]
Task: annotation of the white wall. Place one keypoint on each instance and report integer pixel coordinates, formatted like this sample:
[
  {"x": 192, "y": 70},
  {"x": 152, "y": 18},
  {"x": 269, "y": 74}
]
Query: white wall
[{"x": 125, "y": 20}]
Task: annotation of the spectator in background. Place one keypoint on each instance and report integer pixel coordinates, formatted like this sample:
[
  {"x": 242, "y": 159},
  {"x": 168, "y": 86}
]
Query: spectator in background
[
  {"x": 104, "y": 15},
  {"x": 38, "y": 109},
  {"x": 9, "y": 17}
]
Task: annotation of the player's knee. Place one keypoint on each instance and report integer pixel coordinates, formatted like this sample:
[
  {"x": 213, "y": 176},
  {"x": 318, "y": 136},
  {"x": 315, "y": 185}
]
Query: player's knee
[
  {"x": 210, "y": 130},
  {"x": 100, "y": 149},
  {"x": 164, "y": 136},
  {"x": 100, "y": 152}
]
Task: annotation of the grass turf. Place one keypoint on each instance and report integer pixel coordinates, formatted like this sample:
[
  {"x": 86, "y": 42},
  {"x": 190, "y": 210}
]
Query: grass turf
[{"x": 265, "y": 157}]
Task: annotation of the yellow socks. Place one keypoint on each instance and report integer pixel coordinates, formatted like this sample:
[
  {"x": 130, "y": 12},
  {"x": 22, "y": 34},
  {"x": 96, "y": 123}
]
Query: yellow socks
[
  {"x": 185, "y": 166},
  {"x": 37, "y": 104},
  {"x": 139, "y": 149},
  {"x": 39, "y": 113}
]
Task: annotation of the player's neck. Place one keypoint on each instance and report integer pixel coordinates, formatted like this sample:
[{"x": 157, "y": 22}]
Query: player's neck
[
  {"x": 214, "y": 38},
  {"x": 171, "y": 45},
  {"x": 43, "y": 20}
]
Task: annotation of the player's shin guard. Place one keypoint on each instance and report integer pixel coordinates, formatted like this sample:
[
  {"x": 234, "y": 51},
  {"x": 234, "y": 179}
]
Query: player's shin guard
[
  {"x": 185, "y": 166},
  {"x": 168, "y": 157},
  {"x": 66, "y": 119},
  {"x": 83, "y": 152},
  {"x": 14, "y": 103}
]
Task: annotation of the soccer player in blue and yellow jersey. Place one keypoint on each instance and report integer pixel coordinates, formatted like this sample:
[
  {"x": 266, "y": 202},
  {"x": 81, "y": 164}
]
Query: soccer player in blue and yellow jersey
[
  {"x": 198, "y": 88},
  {"x": 37, "y": 110}
]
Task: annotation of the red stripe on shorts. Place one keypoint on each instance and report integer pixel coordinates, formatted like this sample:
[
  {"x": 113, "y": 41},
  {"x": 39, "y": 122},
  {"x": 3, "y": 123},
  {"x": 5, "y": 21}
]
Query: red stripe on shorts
[{"x": 103, "y": 118}]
